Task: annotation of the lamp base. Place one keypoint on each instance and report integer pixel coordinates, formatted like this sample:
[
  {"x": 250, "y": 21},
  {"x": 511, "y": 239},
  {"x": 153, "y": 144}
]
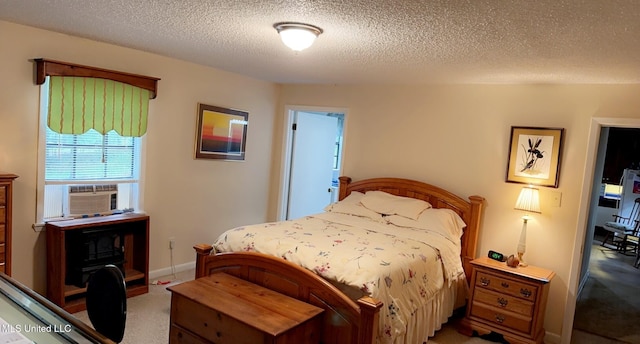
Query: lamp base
[{"x": 521, "y": 259}]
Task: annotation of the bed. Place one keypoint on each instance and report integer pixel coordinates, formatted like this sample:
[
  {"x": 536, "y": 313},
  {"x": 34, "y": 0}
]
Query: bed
[{"x": 361, "y": 318}]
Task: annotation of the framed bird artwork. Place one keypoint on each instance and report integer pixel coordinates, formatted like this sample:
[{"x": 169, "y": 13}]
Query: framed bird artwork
[{"x": 535, "y": 156}]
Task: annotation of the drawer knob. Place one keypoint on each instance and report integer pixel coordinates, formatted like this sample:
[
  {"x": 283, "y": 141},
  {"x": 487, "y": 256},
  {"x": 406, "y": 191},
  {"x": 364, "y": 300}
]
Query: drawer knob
[
  {"x": 484, "y": 281},
  {"x": 525, "y": 292},
  {"x": 504, "y": 284},
  {"x": 502, "y": 302},
  {"x": 499, "y": 318}
]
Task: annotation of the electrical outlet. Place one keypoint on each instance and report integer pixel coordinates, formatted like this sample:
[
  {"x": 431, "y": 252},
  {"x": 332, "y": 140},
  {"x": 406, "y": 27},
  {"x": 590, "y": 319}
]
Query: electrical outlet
[{"x": 172, "y": 243}]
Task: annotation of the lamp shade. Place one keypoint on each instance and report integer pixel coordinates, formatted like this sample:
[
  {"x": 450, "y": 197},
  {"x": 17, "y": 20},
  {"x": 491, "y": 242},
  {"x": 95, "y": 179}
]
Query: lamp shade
[
  {"x": 529, "y": 200},
  {"x": 297, "y": 36}
]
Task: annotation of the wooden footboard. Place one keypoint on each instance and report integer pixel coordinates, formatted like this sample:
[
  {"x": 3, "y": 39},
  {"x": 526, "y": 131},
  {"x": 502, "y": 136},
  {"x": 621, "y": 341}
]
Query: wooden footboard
[{"x": 345, "y": 321}]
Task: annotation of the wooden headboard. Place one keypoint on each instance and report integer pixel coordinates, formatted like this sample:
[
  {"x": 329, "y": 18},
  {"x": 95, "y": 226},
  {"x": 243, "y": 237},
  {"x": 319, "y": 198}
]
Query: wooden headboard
[{"x": 470, "y": 211}]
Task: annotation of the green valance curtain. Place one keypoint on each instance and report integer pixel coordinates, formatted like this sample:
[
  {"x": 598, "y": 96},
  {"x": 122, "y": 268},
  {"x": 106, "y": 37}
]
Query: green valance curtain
[{"x": 77, "y": 104}]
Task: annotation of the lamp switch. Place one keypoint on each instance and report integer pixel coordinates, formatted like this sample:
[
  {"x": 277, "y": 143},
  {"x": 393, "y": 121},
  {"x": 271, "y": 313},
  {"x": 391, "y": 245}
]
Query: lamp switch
[{"x": 556, "y": 198}]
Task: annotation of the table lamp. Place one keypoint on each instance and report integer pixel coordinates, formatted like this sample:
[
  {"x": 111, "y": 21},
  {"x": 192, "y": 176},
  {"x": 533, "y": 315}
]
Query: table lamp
[{"x": 529, "y": 201}]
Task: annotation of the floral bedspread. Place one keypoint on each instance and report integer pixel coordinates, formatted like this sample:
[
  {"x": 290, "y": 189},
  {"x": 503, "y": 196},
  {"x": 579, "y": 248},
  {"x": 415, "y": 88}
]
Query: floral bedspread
[{"x": 401, "y": 266}]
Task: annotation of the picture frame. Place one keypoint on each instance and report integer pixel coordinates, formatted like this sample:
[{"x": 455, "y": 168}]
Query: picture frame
[
  {"x": 535, "y": 156},
  {"x": 221, "y": 133}
]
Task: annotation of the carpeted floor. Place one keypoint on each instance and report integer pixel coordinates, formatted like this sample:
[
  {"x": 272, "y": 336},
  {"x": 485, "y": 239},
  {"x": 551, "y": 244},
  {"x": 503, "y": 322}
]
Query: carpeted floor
[
  {"x": 608, "y": 306},
  {"x": 148, "y": 317},
  {"x": 607, "y": 311},
  {"x": 148, "y": 314}
]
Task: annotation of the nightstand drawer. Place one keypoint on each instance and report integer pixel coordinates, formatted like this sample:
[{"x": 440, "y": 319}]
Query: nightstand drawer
[
  {"x": 2, "y": 214},
  {"x": 506, "y": 302},
  {"x": 507, "y": 286},
  {"x": 501, "y": 317}
]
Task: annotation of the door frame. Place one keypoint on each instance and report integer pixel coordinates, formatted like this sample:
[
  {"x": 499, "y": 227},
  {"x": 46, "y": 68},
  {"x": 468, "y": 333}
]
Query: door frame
[
  {"x": 287, "y": 143},
  {"x": 583, "y": 215}
]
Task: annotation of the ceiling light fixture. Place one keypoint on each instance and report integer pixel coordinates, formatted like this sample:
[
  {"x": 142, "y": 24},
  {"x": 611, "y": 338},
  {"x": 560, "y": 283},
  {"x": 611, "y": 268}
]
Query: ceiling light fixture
[{"x": 297, "y": 36}]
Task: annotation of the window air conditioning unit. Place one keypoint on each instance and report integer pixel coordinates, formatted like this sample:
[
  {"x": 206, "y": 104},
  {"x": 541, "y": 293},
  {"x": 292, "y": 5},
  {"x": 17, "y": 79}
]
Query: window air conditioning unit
[{"x": 91, "y": 200}]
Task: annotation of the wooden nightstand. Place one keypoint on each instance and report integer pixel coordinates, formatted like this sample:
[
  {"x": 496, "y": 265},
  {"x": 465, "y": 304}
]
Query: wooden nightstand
[{"x": 508, "y": 301}]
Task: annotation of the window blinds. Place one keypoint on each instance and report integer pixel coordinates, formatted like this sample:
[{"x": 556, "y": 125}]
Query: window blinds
[{"x": 90, "y": 156}]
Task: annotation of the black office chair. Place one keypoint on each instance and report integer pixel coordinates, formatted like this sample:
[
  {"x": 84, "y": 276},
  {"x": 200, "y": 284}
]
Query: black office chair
[{"x": 107, "y": 302}]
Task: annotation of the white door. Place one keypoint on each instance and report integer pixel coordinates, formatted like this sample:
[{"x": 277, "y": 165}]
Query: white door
[{"x": 314, "y": 142}]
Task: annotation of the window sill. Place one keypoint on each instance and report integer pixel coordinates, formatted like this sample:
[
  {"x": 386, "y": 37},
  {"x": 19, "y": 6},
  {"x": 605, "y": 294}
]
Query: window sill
[{"x": 38, "y": 227}]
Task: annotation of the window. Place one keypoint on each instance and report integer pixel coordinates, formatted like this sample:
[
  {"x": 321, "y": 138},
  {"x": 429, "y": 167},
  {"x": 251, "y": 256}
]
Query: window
[
  {"x": 87, "y": 159},
  {"x": 90, "y": 156},
  {"x": 91, "y": 139}
]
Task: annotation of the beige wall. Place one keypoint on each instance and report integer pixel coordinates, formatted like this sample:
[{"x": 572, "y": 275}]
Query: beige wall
[
  {"x": 191, "y": 200},
  {"x": 457, "y": 137}
]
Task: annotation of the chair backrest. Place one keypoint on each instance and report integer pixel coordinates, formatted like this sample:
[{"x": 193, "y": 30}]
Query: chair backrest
[
  {"x": 634, "y": 217},
  {"x": 107, "y": 302}
]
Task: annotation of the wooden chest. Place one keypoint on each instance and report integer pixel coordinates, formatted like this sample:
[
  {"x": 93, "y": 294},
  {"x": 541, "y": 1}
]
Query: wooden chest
[
  {"x": 509, "y": 301},
  {"x": 223, "y": 309}
]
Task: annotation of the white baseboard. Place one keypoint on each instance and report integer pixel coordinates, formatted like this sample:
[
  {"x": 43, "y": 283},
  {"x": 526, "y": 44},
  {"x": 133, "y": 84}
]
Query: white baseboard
[
  {"x": 552, "y": 338},
  {"x": 582, "y": 283},
  {"x": 155, "y": 274}
]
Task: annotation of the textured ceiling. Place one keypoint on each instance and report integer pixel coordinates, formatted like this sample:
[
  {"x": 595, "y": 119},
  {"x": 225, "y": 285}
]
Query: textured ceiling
[{"x": 374, "y": 42}]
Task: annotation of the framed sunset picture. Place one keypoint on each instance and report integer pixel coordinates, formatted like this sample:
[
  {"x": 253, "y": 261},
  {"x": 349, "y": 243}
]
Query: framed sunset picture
[{"x": 221, "y": 133}]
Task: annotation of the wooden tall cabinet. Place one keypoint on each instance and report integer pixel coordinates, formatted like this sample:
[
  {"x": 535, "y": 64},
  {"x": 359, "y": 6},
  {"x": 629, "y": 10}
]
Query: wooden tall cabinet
[{"x": 6, "y": 186}]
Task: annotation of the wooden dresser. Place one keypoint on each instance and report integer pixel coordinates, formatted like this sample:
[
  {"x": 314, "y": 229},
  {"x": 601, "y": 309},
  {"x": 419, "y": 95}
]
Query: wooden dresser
[
  {"x": 6, "y": 186},
  {"x": 508, "y": 301},
  {"x": 223, "y": 309}
]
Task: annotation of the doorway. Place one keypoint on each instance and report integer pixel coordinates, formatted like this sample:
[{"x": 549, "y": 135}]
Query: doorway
[
  {"x": 312, "y": 160},
  {"x": 606, "y": 307},
  {"x": 584, "y": 231}
]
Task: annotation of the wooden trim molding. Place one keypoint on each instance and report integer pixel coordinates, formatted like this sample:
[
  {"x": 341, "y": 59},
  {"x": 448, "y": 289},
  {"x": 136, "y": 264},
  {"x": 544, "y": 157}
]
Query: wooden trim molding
[{"x": 46, "y": 68}]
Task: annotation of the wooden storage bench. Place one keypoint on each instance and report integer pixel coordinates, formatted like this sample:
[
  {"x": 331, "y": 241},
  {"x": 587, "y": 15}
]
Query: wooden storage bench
[{"x": 224, "y": 309}]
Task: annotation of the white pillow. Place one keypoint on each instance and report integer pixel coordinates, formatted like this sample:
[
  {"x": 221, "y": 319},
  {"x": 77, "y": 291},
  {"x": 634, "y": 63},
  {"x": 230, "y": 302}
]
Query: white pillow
[
  {"x": 444, "y": 221},
  {"x": 388, "y": 204},
  {"x": 354, "y": 197},
  {"x": 351, "y": 205}
]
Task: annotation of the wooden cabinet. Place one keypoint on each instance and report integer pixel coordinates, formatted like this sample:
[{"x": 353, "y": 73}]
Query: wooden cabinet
[
  {"x": 128, "y": 237},
  {"x": 224, "y": 309},
  {"x": 6, "y": 191},
  {"x": 509, "y": 301}
]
